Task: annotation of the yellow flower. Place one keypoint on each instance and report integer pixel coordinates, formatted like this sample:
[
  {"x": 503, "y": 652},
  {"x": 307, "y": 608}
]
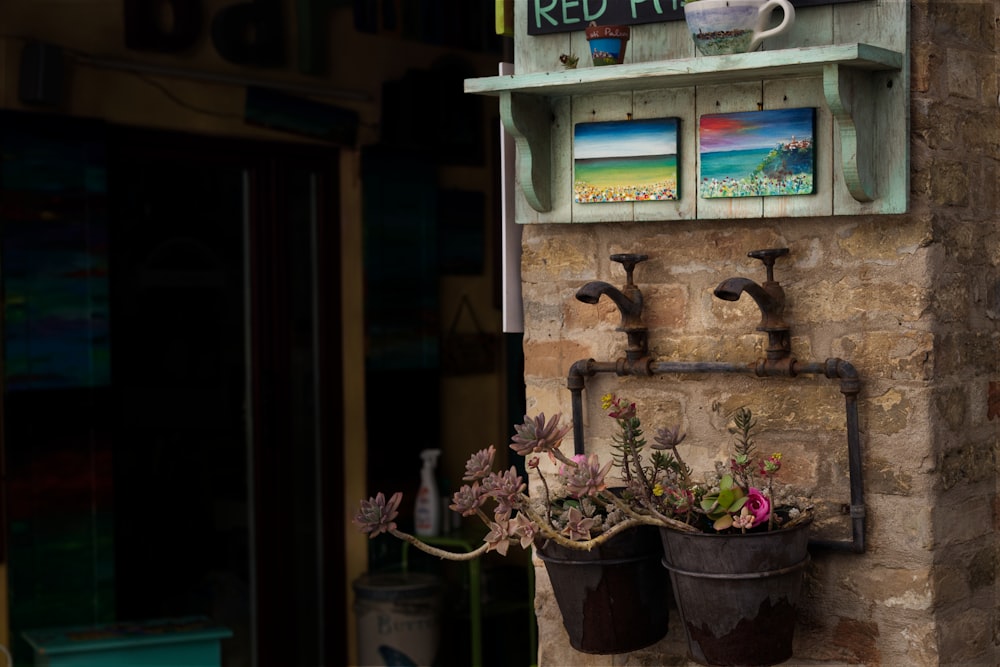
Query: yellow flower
[
  {"x": 606, "y": 401},
  {"x": 657, "y": 489}
]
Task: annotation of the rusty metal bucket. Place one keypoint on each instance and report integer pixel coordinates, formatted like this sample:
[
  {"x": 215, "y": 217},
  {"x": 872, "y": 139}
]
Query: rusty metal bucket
[
  {"x": 737, "y": 594},
  {"x": 615, "y": 598}
]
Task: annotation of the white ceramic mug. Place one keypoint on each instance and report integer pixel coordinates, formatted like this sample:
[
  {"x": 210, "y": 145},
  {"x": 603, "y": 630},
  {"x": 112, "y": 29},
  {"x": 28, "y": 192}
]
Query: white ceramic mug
[{"x": 734, "y": 26}]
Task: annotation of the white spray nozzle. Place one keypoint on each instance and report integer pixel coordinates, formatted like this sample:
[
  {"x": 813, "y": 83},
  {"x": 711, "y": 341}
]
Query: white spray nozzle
[{"x": 430, "y": 457}]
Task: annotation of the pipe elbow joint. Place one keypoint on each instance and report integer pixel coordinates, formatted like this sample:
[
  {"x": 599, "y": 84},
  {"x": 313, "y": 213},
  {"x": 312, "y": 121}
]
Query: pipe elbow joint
[
  {"x": 850, "y": 382},
  {"x": 577, "y": 372}
]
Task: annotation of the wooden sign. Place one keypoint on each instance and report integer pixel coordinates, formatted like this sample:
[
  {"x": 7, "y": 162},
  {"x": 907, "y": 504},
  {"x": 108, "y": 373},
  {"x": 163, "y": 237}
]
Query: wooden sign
[{"x": 551, "y": 16}]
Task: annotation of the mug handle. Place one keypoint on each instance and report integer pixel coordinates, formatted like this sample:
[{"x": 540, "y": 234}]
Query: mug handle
[{"x": 764, "y": 13}]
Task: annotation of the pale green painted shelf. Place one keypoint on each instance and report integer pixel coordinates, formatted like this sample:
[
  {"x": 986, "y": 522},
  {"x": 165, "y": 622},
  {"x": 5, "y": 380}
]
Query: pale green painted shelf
[{"x": 846, "y": 70}]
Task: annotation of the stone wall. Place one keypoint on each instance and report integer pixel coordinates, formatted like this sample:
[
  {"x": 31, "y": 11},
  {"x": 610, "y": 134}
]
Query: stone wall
[
  {"x": 955, "y": 151},
  {"x": 911, "y": 301}
]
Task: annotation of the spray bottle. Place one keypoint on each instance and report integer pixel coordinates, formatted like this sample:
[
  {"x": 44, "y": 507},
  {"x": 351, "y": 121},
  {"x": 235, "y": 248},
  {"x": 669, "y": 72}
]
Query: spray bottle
[{"x": 428, "y": 510}]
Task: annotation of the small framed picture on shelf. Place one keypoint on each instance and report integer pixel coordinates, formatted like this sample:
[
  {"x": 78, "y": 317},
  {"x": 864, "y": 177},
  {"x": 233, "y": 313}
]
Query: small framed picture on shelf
[
  {"x": 625, "y": 161},
  {"x": 757, "y": 153}
]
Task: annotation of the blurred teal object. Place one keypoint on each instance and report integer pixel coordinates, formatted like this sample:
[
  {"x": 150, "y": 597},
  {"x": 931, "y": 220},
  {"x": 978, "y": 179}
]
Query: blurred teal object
[{"x": 178, "y": 642}]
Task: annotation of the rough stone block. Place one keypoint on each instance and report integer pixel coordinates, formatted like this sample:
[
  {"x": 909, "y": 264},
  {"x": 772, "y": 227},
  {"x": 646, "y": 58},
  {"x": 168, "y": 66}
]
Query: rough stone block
[{"x": 900, "y": 355}]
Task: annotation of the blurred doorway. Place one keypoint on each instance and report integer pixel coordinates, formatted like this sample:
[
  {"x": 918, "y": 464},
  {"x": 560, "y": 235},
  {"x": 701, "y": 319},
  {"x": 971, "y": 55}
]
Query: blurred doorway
[
  {"x": 226, "y": 376},
  {"x": 172, "y": 385}
]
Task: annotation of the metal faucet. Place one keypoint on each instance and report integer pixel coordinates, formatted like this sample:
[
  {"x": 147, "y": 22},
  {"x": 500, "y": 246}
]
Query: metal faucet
[
  {"x": 770, "y": 298},
  {"x": 629, "y": 302}
]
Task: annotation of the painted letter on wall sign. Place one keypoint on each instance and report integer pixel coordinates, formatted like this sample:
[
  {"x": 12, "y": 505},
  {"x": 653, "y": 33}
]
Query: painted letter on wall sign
[{"x": 548, "y": 16}]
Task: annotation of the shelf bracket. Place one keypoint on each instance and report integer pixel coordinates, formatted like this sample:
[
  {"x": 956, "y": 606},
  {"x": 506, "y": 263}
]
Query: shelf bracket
[
  {"x": 850, "y": 98},
  {"x": 528, "y": 119}
]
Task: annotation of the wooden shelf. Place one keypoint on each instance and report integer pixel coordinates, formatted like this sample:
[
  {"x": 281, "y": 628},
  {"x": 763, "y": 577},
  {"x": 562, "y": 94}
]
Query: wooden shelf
[
  {"x": 846, "y": 69},
  {"x": 709, "y": 70}
]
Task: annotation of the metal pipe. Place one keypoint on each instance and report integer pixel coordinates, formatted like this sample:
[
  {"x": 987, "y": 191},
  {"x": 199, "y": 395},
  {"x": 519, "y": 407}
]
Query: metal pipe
[
  {"x": 834, "y": 368},
  {"x": 588, "y": 368}
]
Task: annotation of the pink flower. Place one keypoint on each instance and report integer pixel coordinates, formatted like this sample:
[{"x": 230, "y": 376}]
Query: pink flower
[{"x": 759, "y": 506}]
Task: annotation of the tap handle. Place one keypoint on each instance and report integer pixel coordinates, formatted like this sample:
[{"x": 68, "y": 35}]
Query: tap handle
[
  {"x": 628, "y": 261},
  {"x": 768, "y": 255}
]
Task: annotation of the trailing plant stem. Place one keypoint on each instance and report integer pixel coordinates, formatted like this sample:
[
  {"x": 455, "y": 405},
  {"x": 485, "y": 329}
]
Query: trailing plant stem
[{"x": 440, "y": 553}]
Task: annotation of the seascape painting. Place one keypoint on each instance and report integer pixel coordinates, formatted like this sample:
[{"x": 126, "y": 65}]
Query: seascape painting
[
  {"x": 757, "y": 153},
  {"x": 625, "y": 161}
]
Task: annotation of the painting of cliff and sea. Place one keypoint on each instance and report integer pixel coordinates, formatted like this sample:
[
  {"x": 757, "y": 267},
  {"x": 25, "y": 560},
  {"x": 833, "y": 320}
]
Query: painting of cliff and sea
[
  {"x": 625, "y": 161},
  {"x": 757, "y": 153}
]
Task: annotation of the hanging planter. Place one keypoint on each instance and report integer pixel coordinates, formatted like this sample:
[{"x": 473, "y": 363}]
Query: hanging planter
[
  {"x": 607, "y": 43},
  {"x": 737, "y": 593},
  {"x": 736, "y": 562},
  {"x": 613, "y": 598}
]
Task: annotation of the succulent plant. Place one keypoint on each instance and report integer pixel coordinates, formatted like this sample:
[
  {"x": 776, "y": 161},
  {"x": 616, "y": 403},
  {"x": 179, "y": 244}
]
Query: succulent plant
[
  {"x": 582, "y": 511},
  {"x": 722, "y": 504},
  {"x": 536, "y": 436}
]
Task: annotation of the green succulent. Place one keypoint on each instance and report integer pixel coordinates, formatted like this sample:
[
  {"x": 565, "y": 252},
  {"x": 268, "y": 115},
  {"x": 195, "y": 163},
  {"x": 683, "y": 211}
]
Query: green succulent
[{"x": 728, "y": 500}]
